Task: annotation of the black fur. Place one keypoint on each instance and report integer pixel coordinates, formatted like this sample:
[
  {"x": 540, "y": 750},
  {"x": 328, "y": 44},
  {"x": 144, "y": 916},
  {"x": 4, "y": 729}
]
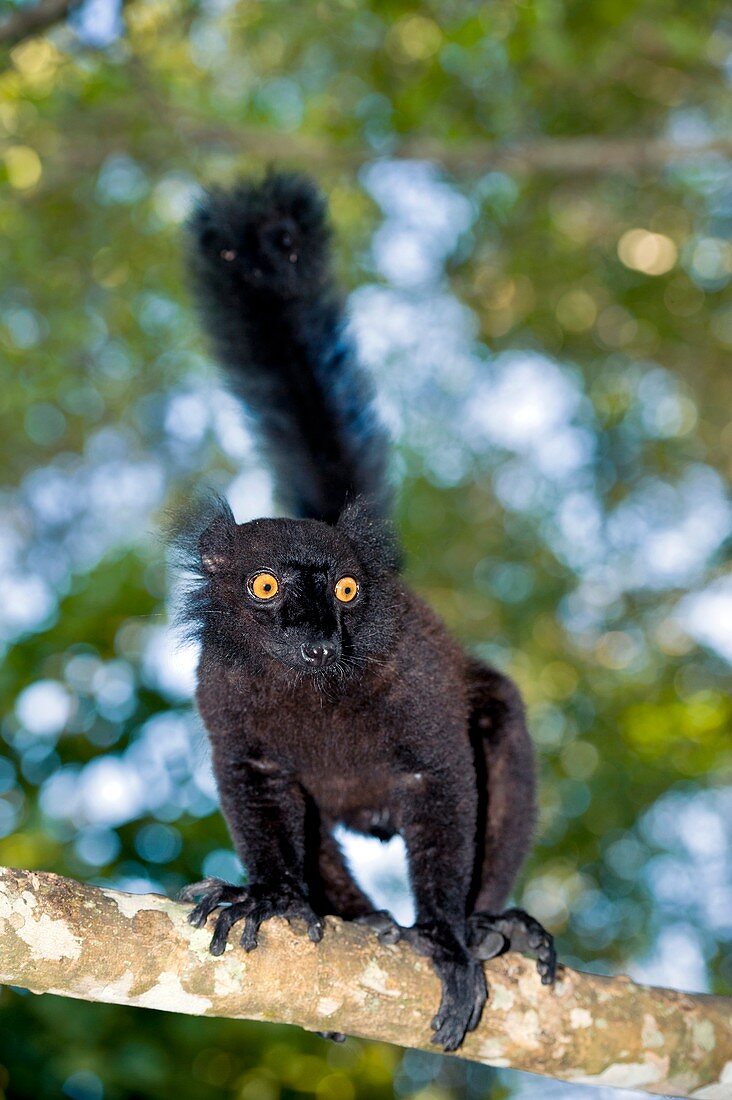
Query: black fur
[
  {"x": 261, "y": 273},
  {"x": 397, "y": 730}
]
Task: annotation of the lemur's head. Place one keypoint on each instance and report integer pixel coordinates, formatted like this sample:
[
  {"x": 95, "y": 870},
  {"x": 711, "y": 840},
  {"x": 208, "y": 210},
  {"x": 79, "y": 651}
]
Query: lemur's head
[{"x": 304, "y": 597}]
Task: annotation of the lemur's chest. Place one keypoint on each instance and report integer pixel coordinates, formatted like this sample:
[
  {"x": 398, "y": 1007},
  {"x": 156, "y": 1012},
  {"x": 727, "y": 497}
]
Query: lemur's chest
[
  {"x": 352, "y": 749},
  {"x": 345, "y": 752},
  {"x": 331, "y": 743}
]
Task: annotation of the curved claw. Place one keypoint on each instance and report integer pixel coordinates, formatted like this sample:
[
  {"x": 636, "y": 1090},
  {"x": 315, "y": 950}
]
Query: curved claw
[
  {"x": 224, "y": 923},
  {"x": 214, "y": 893},
  {"x": 316, "y": 929},
  {"x": 200, "y": 914},
  {"x": 314, "y": 924},
  {"x": 254, "y": 919},
  {"x": 198, "y": 889},
  {"x": 294, "y": 909}
]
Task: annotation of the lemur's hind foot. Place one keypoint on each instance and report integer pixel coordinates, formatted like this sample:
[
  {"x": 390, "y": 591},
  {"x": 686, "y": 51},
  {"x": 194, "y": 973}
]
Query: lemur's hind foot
[
  {"x": 495, "y": 934},
  {"x": 383, "y": 924},
  {"x": 334, "y": 1036},
  {"x": 388, "y": 931}
]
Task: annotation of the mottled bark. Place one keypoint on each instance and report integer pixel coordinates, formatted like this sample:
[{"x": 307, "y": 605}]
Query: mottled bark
[{"x": 58, "y": 936}]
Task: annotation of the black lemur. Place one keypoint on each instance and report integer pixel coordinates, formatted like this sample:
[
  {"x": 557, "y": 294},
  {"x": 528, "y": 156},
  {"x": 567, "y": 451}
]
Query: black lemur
[{"x": 330, "y": 692}]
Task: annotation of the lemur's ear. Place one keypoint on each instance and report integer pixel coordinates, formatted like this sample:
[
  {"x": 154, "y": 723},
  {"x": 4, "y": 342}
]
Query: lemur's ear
[
  {"x": 201, "y": 535},
  {"x": 372, "y": 534},
  {"x": 216, "y": 544}
]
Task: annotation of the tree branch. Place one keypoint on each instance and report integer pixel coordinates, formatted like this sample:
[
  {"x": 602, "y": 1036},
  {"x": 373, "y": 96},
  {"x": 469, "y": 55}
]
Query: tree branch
[
  {"x": 33, "y": 19},
  {"x": 582, "y": 155},
  {"x": 170, "y": 146},
  {"x": 589, "y": 155},
  {"x": 58, "y": 936},
  {"x": 564, "y": 156}
]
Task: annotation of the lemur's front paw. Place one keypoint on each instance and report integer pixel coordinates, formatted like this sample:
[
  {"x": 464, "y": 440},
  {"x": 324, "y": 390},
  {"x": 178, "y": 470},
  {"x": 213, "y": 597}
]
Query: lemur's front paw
[
  {"x": 464, "y": 993},
  {"x": 213, "y": 893},
  {"x": 490, "y": 935},
  {"x": 253, "y": 904}
]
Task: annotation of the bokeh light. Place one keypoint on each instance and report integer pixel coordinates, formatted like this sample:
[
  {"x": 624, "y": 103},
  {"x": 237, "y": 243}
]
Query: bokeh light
[{"x": 550, "y": 345}]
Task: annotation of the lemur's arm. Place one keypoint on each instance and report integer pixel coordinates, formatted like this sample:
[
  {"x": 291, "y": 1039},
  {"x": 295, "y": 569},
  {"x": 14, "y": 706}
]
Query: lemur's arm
[
  {"x": 439, "y": 818},
  {"x": 264, "y": 810}
]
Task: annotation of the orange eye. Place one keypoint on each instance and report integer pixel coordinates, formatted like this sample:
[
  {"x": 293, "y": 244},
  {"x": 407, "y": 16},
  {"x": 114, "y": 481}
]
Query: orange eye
[
  {"x": 346, "y": 589},
  {"x": 263, "y": 586}
]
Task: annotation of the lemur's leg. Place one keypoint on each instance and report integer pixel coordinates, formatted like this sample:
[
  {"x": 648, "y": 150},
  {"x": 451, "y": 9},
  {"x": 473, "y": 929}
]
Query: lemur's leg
[
  {"x": 340, "y": 895},
  {"x": 504, "y": 756},
  {"x": 266, "y": 815},
  {"x": 336, "y": 889},
  {"x": 438, "y": 823}
]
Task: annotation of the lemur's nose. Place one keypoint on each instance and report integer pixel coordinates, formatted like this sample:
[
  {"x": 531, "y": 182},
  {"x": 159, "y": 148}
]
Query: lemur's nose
[{"x": 318, "y": 653}]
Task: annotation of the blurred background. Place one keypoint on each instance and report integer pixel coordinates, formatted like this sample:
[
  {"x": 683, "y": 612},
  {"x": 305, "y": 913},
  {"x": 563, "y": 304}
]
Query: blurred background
[{"x": 534, "y": 207}]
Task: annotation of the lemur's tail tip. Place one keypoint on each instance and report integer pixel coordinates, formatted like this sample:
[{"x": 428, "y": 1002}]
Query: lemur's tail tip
[{"x": 273, "y": 232}]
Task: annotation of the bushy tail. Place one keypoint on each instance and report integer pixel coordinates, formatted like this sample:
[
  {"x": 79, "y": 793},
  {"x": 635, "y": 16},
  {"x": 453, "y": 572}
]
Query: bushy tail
[{"x": 261, "y": 264}]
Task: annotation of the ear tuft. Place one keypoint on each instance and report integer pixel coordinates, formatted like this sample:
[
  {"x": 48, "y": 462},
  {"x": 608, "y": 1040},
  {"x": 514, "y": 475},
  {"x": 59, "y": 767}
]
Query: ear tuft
[
  {"x": 373, "y": 535},
  {"x": 201, "y": 541},
  {"x": 202, "y": 535},
  {"x": 215, "y": 544}
]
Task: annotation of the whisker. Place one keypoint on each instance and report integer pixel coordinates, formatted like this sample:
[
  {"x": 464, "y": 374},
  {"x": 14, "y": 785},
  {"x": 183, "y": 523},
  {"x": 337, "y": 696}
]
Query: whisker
[{"x": 372, "y": 660}]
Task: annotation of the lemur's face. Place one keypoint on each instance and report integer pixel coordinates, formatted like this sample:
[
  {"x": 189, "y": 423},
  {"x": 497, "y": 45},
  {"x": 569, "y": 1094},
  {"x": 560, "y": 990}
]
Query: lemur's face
[{"x": 319, "y": 600}]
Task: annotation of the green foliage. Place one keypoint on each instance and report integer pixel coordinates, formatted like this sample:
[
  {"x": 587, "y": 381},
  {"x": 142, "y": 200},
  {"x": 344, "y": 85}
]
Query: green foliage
[{"x": 570, "y": 568}]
